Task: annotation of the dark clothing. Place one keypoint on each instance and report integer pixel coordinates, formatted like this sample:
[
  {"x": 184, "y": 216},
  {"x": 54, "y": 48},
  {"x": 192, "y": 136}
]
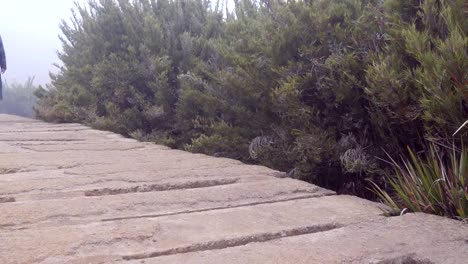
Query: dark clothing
[{"x": 3, "y": 64}]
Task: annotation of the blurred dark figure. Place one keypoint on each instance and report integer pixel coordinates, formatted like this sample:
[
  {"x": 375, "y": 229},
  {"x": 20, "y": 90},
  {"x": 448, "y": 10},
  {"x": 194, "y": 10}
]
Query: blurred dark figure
[{"x": 3, "y": 65}]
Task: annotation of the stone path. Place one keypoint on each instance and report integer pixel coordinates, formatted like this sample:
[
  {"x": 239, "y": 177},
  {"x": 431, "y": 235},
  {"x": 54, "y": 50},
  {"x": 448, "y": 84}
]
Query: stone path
[{"x": 70, "y": 194}]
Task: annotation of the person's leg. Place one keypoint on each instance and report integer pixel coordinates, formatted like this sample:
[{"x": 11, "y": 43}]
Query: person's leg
[{"x": 1, "y": 86}]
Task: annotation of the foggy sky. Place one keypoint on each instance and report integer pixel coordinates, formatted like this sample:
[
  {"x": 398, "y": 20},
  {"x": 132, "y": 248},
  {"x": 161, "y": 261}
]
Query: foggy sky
[{"x": 30, "y": 29}]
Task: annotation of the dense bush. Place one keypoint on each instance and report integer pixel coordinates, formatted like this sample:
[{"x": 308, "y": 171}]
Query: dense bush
[
  {"x": 418, "y": 85},
  {"x": 314, "y": 88},
  {"x": 18, "y": 98}
]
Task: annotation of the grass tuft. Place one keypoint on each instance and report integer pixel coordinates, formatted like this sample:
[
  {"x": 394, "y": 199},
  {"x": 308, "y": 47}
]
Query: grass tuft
[{"x": 435, "y": 183}]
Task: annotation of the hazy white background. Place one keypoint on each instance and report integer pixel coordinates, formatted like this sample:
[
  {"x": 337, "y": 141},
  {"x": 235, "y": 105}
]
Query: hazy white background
[{"x": 30, "y": 29}]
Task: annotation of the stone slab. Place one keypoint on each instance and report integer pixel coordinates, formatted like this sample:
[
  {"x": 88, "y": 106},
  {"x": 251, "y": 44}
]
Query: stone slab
[
  {"x": 53, "y": 183},
  {"x": 106, "y": 206},
  {"x": 412, "y": 238},
  {"x": 71, "y": 194},
  {"x": 145, "y": 237}
]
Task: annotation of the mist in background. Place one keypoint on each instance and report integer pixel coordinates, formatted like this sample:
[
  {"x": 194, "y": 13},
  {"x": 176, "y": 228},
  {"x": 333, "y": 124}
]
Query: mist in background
[{"x": 30, "y": 29}]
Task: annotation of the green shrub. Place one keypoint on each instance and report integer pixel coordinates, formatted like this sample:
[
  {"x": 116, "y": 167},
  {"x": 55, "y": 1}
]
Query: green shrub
[
  {"x": 417, "y": 85},
  {"x": 313, "y": 88},
  {"x": 321, "y": 54}
]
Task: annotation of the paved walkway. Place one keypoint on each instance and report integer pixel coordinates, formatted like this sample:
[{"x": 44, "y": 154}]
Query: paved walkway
[{"x": 70, "y": 194}]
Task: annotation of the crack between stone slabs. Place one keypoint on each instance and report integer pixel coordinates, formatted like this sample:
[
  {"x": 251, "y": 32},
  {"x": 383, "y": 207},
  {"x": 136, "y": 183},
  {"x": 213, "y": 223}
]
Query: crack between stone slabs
[
  {"x": 44, "y": 131},
  {"x": 197, "y": 169},
  {"x": 27, "y": 225},
  {"x": 235, "y": 242},
  {"x": 7, "y": 199},
  {"x": 160, "y": 187},
  {"x": 4, "y": 171},
  {"x": 145, "y": 188},
  {"x": 31, "y": 148},
  {"x": 22, "y": 225},
  {"x": 43, "y": 140},
  {"x": 20, "y": 121},
  {"x": 170, "y": 169},
  {"x": 49, "y": 143},
  {"x": 412, "y": 258},
  {"x": 216, "y": 208}
]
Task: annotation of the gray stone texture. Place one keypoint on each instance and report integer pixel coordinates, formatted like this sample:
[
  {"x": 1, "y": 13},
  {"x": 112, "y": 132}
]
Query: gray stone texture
[{"x": 71, "y": 194}]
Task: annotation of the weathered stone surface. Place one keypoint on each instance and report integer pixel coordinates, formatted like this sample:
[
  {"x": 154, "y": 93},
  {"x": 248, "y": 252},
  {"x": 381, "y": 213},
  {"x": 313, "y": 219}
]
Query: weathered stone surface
[
  {"x": 64, "y": 183},
  {"x": 412, "y": 238},
  {"x": 102, "y": 206},
  {"x": 152, "y": 236},
  {"x": 71, "y": 194}
]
